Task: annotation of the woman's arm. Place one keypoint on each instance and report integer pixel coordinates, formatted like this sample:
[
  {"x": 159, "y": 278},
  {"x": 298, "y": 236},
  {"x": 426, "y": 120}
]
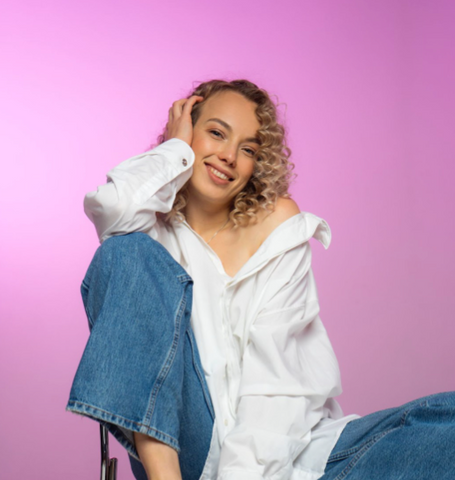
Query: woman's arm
[
  {"x": 138, "y": 188},
  {"x": 289, "y": 371},
  {"x": 147, "y": 183}
]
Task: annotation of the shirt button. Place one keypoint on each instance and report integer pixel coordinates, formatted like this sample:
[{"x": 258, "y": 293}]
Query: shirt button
[{"x": 184, "y": 162}]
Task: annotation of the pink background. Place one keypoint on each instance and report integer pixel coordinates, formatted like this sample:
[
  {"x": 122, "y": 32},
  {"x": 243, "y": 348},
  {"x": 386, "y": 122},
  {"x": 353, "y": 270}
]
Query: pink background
[{"x": 369, "y": 89}]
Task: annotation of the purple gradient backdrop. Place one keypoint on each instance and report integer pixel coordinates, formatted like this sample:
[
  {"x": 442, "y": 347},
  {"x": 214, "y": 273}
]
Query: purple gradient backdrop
[{"x": 369, "y": 88}]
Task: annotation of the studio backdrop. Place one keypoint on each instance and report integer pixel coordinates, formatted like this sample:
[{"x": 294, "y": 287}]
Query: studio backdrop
[{"x": 366, "y": 92}]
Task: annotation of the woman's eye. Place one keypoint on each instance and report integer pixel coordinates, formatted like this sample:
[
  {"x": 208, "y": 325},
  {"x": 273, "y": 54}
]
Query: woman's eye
[
  {"x": 249, "y": 151},
  {"x": 216, "y": 133}
]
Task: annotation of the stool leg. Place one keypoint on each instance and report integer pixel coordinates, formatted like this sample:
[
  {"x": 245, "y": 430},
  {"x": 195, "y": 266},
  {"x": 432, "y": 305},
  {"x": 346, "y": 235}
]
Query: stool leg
[
  {"x": 108, "y": 465},
  {"x": 112, "y": 469}
]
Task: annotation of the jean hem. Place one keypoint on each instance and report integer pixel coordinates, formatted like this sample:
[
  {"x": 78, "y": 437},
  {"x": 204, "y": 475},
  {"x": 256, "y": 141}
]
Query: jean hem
[{"x": 114, "y": 423}]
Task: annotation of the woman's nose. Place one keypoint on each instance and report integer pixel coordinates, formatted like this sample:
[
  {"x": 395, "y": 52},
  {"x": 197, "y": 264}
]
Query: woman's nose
[{"x": 229, "y": 155}]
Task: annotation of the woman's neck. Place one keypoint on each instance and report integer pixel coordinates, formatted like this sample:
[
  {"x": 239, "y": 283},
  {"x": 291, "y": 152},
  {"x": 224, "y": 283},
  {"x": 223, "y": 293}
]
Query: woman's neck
[{"x": 206, "y": 219}]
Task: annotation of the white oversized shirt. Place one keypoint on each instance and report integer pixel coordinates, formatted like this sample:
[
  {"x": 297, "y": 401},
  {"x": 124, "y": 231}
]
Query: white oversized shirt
[{"x": 267, "y": 360}]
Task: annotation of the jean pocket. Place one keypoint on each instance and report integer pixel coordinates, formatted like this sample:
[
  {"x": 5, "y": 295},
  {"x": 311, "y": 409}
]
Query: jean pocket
[{"x": 340, "y": 464}]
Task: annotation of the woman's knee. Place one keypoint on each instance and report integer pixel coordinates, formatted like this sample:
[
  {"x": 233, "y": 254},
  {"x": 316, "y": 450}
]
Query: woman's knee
[
  {"x": 440, "y": 399},
  {"x": 115, "y": 253},
  {"x": 134, "y": 258},
  {"x": 137, "y": 252},
  {"x": 127, "y": 246}
]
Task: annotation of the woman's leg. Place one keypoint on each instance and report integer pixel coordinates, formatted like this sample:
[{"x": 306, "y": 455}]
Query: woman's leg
[
  {"x": 196, "y": 422},
  {"x": 414, "y": 441},
  {"x": 140, "y": 371}
]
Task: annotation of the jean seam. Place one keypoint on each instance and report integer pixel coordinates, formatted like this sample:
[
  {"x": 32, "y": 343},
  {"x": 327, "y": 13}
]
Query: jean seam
[
  {"x": 205, "y": 391},
  {"x": 346, "y": 453},
  {"x": 406, "y": 413},
  {"x": 350, "y": 451},
  {"x": 161, "y": 377},
  {"x": 365, "y": 447},
  {"x": 86, "y": 287},
  {"x": 91, "y": 321},
  {"x": 184, "y": 277}
]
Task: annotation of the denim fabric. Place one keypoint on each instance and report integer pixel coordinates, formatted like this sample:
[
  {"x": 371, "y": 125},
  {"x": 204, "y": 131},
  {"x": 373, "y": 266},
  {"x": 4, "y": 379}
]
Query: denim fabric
[
  {"x": 413, "y": 442},
  {"x": 140, "y": 370}
]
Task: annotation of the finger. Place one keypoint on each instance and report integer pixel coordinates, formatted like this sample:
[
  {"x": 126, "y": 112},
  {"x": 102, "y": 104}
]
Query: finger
[
  {"x": 177, "y": 107},
  {"x": 191, "y": 102},
  {"x": 171, "y": 115},
  {"x": 180, "y": 101}
]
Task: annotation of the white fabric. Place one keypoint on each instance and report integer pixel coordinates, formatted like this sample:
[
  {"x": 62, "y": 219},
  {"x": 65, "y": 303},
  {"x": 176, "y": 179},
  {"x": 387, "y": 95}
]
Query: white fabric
[{"x": 268, "y": 362}]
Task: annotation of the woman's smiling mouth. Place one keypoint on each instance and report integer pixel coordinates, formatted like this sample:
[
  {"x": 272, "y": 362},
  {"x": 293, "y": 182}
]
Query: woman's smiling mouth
[{"x": 220, "y": 177}]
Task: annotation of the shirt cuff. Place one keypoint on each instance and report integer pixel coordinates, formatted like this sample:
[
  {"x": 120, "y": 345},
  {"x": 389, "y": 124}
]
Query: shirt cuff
[{"x": 177, "y": 152}]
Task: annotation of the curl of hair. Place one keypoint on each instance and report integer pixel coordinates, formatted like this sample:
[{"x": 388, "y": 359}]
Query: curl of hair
[{"x": 272, "y": 172}]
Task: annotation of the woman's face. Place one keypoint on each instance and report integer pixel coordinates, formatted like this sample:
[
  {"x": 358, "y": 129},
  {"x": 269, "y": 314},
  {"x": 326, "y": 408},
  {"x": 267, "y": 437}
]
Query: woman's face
[{"x": 225, "y": 145}]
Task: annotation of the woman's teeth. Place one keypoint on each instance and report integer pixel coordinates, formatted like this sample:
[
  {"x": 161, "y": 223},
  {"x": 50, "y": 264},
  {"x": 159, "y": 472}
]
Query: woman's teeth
[{"x": 219, "y": 174}]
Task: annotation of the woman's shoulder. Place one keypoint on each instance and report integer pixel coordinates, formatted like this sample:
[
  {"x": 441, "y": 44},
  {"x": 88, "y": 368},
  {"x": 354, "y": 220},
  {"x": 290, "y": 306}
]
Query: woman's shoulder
[
  {"x": 268, "y": 221},
  {"x": 285, "y": 208}
]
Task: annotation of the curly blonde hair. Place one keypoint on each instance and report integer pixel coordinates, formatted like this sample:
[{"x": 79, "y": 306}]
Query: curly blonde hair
[{"x": 272, "y": 172}]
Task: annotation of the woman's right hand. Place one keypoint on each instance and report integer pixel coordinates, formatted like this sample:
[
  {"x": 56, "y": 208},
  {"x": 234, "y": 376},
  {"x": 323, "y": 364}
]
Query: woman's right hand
[{"x": 180, "y": 124}]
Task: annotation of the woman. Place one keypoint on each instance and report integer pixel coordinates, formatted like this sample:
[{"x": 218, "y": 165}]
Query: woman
[{"x": 207, "y": 357}]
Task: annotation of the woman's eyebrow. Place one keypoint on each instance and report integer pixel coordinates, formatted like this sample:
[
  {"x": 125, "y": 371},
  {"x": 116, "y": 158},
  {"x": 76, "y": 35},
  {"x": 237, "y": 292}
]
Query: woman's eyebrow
[{"x": 229, "y": 128}]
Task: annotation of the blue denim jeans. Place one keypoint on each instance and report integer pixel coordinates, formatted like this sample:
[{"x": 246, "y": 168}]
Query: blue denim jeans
[
  {"x": 140, "y": 370},
  {"x": 413, "y": 442}
]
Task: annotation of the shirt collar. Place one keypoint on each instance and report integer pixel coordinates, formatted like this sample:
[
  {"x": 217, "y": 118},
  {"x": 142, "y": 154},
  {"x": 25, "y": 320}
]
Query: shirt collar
[{"x": 291, "y": 233}]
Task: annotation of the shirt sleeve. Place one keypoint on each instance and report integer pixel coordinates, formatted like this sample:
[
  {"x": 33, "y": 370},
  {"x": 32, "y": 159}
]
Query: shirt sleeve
[
  {"x": 138, "y": 188},
  {"x": 289, "y": 371}
]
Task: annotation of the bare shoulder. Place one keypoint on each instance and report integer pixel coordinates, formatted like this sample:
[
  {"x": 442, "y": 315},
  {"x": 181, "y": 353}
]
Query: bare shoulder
[{"x": 285, "y": 208}]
